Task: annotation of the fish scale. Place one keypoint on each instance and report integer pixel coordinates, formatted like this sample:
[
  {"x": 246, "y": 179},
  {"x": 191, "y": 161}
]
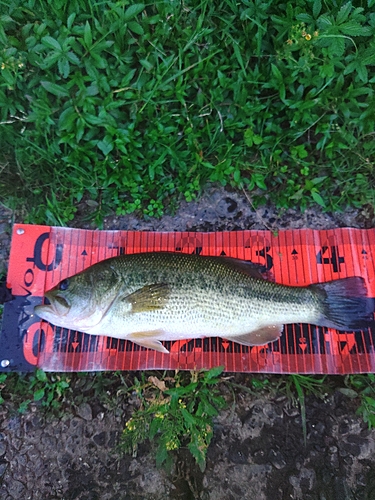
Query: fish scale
[{"x": 153, "y": 297}]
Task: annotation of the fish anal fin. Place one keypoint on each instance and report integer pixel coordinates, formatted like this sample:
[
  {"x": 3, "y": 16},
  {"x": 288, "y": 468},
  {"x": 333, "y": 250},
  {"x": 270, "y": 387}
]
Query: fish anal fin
[
  {"x": 149, "y": 297},
  {"x": 262, "y": 336},
  {"x": 148, "y": 340}
]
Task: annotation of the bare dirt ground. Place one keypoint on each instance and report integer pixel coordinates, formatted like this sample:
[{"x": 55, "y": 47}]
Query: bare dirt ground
[{"x": 258, "y": 450}]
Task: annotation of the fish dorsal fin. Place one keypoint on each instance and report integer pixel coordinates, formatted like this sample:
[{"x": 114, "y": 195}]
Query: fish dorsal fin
[
  {"x": 247, "y": 267},
  {"x": 262, "y": 336},
  {"x": 149, "y": 297},
  {"x": 148, "y": 339}
]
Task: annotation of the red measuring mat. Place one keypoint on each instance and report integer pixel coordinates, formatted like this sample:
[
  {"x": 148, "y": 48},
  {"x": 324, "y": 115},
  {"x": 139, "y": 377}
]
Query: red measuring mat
[{"x": 42, "y": 256}]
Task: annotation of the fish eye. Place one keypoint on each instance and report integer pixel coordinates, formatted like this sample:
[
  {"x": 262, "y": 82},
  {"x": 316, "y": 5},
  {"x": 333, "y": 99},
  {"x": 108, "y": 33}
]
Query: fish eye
[{"x": 64, "y": 285}]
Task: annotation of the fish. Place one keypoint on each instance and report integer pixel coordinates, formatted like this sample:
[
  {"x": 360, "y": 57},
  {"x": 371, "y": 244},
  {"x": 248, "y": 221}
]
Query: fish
[{"x": 152, "y": 297}]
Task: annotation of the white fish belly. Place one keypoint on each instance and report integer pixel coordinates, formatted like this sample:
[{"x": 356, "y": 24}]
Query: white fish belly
[{"x": 205, "y": 316}]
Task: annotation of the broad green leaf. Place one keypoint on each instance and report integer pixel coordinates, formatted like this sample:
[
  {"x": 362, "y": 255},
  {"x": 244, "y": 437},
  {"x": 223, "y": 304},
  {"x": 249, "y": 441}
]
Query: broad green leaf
[
  {"x": 50, "y": 59},
  {"x": 317, "y": 198},
  {"x": 70, "y": 20},
  {"x": 306, "y": 18},
  {"x": 87, "y": 35},
  {"x": 319, "y": 180},
  {"x": 136, "y": 28},
  {"x": 38, "y": 395},
  {"x": 336, "y": 46},
  {"x": 100, "y": 62},
  {"x": 161, "y": 455},
  {"x": 64, "y": 67},
  {"x": 55, "y": 89},
  {"x": 92, "y": 89},
  {"x": 93, "y": 120},
  {"x": 41, "y": 375},
  {"x": 370, "y": 401},
  {"x": 73, "y": 58},
  {"x": 368, "y": 56},
  {"x": 189, "y": 419},
  {"x": 353, "y": 28},
  {"x": 80, "y": 129},
  {"x": 350, "y": 393},
  {"x": 249, "y": 137},
  {"x": 259, "y": 181},
  {"x": 3, "y": 37},
  {"x": 214, "y": 372},
  {"x": 133, "y": 11},
  {"x": 198, "y": 454},
  {"x": 106, "y": 145},
  {"x": 154, "y": 427},
  {"x": 8, "y": 77},
  {"x": 40, "y": 28},
  {"x": 6, "y": 19},
  {"x": 67, "y": 118},
  {"x": 317, "y": 7},
  {"x": 51, "y": 43},
  {"x": 324, "y": 22},
  {"x": 350, "y": 67},
  {"x": 344, "y": 12},
  {"x": 146, "y": 64},
  {"x": 362, "y": 73},
  {"x": 151, "y": 171},
  {"x": 276, "y": 72}
]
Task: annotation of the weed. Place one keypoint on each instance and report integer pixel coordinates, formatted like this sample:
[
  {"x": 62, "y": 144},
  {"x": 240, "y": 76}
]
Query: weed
[
  {"x": 175, "y": 412},
  {"x": 362, "y": 387},
  {"x": 50, "y": 390},
  {"x": 304, "y": 384}
]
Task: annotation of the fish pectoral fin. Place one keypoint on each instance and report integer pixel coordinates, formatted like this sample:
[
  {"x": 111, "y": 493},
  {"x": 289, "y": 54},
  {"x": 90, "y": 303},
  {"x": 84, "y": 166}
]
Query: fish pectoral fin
[
  {"x": 262, "y": 336},
  {"x": 148, "y": 340},
  {"x": 149, "y": 297}
]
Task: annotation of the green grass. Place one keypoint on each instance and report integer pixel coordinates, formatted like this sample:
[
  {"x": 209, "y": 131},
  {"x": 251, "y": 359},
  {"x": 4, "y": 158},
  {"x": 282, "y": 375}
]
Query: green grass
[{"x": 134, "y": 106}]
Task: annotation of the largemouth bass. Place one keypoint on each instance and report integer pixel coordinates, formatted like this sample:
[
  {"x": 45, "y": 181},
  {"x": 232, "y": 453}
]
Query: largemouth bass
[{"x": 153, "y": 297}]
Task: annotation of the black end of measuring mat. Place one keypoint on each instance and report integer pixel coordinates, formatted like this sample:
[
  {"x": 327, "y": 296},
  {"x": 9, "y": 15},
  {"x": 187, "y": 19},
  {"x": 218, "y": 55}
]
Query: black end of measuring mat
[{"x": 12, "y": 358}]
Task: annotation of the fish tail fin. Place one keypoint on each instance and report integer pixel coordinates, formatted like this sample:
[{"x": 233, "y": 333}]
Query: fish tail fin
[{"x": 345, "y": 305}]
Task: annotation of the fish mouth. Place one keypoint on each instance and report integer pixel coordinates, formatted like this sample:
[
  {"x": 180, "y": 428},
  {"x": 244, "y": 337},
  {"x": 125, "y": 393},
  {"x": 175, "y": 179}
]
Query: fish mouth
[{"x": 54, "y": 305}]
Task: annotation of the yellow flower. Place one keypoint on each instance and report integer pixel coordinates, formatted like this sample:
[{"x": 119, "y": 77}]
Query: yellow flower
[
  {"x": 289, "y": 42},
  {"x": 130, "y": 425},
  {"x": 308, "y": 36},
  {"x": 3, "y": 66}
]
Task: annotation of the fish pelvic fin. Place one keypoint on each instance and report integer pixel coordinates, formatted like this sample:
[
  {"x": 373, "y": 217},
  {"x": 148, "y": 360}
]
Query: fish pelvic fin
[
  {"x": 148, "y": 340},
  {"x": 149, "y": 297},
  {"x": 261, "y": 336},
  {"x": 344, "y": 303}
]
